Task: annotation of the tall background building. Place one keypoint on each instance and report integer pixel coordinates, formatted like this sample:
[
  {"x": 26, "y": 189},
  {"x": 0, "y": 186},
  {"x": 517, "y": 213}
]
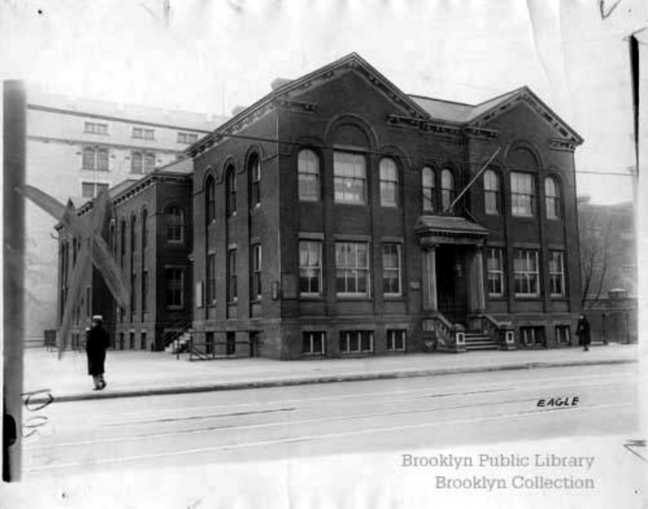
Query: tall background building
[{"x": 76, "y": 147}]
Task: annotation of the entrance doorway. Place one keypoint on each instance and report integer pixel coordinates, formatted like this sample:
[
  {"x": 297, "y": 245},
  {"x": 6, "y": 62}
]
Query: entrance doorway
[{"x": 452, "y": 282}]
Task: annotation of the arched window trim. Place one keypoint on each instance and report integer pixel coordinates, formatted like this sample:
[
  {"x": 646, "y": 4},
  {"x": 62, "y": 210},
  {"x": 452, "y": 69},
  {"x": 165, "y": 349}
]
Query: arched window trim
[
  {"x": 389, "y": 183},
  {"x": 231, "y": 191},
  {"x": 428, "y": 189},
  {"x": 255, "y": 176},
  {"x": 553, "y": 199},
  {"x": 447, "y": 188}
]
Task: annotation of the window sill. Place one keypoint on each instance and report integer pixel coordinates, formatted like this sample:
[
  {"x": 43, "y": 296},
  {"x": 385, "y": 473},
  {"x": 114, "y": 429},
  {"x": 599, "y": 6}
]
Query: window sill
[
  {"x": 528, "y": 297},
  {"x": 359, "y": 298},
  {"x": 311, "y": 296}
]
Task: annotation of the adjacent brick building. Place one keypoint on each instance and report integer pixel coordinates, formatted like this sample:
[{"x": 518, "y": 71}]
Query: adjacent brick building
[
  {"x": 149, "y": 232},
  {"x": 75, "y": 148},
  {"x": 325, "y": 222}
]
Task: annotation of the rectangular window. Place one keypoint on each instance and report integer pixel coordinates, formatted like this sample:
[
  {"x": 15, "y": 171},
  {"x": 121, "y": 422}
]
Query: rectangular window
[
  {"x": 309, "y": 184},
  {"x": 210, "y": 343},
  {"x": 145, "y": 290},
  {"x": 310, "y": 267},
  {"x": 95, "y": 159},
  {"x": 230, "y": 343},
  {"x": 143, "y": 341},
  {"x": 350, "y": 178},
  {"x": 392, "y": 269},
  {"x": 526, "y": 275},
  {"x": 142, "y": 133},
  {"x": 532, "y": 336},
  {"x": 495, "y": 270},
  {"x": 95, "y": 128},
  {"x": 232, "y": 276},
  {"x": 313, "y": 343},
  {"x": 396, "y": 340},
  {"x": 523, "y": 195},
  {"x": 149, "y": 163},
  {"x": 211, "y": 290},
  {"x": 356, "y": 341},
  {"x": 352, "y": 269},
  {"x": 562, "y": 333},
  {"x": 174, "y": 288},
  {"x": 256, "y": 272},
  {"x": 187, "y": 138},
  {"x": 557, "y": 274}
]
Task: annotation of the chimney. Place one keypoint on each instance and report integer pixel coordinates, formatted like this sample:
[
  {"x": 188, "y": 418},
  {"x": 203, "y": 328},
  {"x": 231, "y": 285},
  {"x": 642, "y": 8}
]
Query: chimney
[{"x": 279, "y": 82}]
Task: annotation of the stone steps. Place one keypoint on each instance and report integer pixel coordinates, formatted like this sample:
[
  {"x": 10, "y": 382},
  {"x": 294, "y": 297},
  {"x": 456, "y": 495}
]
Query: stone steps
[{"x": 480, "y": 341}]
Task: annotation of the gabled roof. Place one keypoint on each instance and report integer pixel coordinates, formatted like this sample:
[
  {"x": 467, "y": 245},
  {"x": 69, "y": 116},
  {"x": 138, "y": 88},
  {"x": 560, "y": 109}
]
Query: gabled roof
[
  {"x": 461, "y": 113},
  {"x": 352, "y": 61},
  {"x": 417, "y": 107}
]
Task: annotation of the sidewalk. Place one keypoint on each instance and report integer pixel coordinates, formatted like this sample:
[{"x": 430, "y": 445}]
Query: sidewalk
[{"x": 137, "y": 373}]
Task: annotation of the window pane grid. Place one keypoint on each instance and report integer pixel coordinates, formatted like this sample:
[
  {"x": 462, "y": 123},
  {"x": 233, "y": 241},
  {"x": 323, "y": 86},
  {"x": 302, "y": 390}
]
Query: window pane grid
[
  {"x": 523, "y": 198},
  {"x": 349, "y": 178},
  {"x": 314, "y": 343},
  {"x": 356, "y": 342},
  {"x": 396, "y": 340},
  {"x": 352, "y": 268},
  {"x": 557, "y": 274},
  {"x": 526, "y": 273},
  {"x": 428, "y": 184},
  {"x": 309, "y": 186},
  {"x": 388, "y": 183},
  {"x": 392, "y": 269},
  {"x": 495, "y": 269},
  {"x": 310, "y": 267}
]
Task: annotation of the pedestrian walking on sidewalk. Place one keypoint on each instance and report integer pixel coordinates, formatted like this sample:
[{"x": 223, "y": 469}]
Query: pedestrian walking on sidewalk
[
  {"x": 96, "y": 345},
  {"x": 583, "y": 331}
]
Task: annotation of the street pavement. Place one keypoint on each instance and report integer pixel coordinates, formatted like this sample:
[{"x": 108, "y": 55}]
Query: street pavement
[
  {"x": 135, "y": 373},
  {"x": 344, "y": 444}
]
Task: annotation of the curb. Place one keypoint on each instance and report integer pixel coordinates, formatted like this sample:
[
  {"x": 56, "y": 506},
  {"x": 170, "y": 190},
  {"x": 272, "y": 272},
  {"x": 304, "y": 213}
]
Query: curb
[{"x": 263, "y": 384}]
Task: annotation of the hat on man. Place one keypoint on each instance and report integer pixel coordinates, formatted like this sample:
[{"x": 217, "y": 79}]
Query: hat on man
[{"x": 97, "y": 318}]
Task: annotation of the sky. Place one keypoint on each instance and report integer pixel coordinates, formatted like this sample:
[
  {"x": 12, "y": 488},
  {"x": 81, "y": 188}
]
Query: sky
[{"x": 211, "y": 56}]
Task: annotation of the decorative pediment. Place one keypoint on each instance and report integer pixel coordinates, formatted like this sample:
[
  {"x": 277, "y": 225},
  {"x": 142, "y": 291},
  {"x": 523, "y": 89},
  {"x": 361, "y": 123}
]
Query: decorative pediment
[{"x": 485, "y": 113}]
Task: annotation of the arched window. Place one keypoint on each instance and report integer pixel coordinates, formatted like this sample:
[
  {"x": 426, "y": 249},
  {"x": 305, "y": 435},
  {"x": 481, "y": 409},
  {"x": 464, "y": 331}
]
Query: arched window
[
  {"x": 447, "y": 188},
  {"x": 231, "y": 192},
  {"x": 388, "y": 183},
  {"x": 552, "y": 199},
  {"x": 254, "y": 181},
  {"x": 174, "y": 223},
  {"x": 428, "y": 184},
  {"x": 210, "y": 200},
  {"x": 309, "y": 176},
  {"x": 88, "y": 159},
  {"x": 492, "y": 194},
  {"x": 145, "y": 230}
]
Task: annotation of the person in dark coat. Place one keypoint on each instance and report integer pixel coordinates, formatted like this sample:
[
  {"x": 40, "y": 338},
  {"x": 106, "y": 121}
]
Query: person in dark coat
[
  {"x": 96, "y": 345},
  {"x": 583, "y": 331}
]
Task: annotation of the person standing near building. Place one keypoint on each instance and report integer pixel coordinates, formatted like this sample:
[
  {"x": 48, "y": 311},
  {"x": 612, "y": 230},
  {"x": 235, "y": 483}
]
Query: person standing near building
[
  {"x": 96, "y": 345},
  {"x": 583, "y": 331}
]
